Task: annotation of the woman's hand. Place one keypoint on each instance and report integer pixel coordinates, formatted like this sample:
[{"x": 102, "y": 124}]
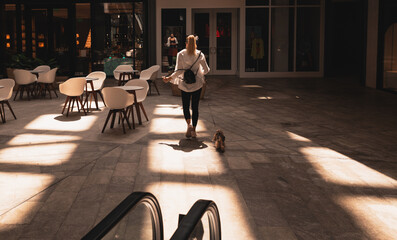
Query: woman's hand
[{"x": 167, "y": 79}]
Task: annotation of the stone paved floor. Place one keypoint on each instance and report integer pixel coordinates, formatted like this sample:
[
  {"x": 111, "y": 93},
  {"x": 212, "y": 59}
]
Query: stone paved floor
[{"x": 305, "y": 159}]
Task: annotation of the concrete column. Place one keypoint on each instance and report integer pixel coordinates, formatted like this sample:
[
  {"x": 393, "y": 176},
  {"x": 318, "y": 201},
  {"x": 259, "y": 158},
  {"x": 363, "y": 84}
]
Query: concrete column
[{"x": 372, "y": 43}]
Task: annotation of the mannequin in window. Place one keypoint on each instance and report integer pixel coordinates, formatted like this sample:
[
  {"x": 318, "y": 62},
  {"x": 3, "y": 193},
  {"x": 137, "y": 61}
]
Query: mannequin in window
[
  {"x": 172, "y": 44},
  {"x": 257, "y": 50}
]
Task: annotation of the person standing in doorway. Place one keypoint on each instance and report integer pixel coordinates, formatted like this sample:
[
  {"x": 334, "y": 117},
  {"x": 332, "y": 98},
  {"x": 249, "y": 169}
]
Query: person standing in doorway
[
  {"x": 172, "y": 43},
  {"x": 194, "y": 59}
]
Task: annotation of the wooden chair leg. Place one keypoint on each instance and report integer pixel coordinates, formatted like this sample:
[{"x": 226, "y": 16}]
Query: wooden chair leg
[
  {"x": 143, "y": 110},
  {"x": 70, "y": 102},
  {"x": 100, "y": 94},
  {"x": 16, "y": 93},
  {"x": 47, "y": 87},
  {"x": 122, "y": 120},
  {"x": 107, "y": 119},
  {"x": 82, "y": 106},
  {"x": 126, "y": 118},
  {"x": 155, "y": 85},
  {"x": 66, "y": 102},
  {"x": 113, "y": 119},
  {"x": 9, "y": 106},
  {"x": 2, "y": 113}
]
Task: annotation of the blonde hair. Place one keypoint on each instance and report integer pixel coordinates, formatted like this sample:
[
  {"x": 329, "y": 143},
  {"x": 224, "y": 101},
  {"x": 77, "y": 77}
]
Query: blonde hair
[{"x": 191, "y": 45}]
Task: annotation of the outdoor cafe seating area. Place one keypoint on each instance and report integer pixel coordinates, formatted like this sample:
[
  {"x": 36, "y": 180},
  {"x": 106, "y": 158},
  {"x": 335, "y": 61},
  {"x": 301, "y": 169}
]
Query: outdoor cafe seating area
[{"x": 123, "y": 96}]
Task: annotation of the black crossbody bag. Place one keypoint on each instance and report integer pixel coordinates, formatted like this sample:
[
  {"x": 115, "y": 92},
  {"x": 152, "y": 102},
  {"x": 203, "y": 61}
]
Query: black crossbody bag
[{"x": 189, "y": 76}]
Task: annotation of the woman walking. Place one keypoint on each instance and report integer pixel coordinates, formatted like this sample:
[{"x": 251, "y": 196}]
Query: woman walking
[{"x": 190, "y": 58}]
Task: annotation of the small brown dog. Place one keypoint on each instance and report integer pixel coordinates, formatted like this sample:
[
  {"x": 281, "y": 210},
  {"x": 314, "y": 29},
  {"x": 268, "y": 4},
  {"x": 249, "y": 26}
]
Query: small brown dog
[{"x": 219, "y": 139}]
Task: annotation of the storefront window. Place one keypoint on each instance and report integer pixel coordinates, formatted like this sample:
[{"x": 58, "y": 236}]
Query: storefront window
[
  {"x": 257, "y": 40},
  {"x": 257, "y": 2},
  {"x": 173, "y": 36},
  {"x": 294, "y": 34},
  {"x": 390, "y": 58},
  {"x": 119, "y": 36},
  {"x": 283, "y": 2},
  {"x": 83, "y": 39},
  {"x": 10, "y": 28},
  {"x": 308, "y": 39}
]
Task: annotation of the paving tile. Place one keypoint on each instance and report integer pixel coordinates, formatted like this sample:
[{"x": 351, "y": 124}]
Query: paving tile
[{"x": 319, "y": 166}]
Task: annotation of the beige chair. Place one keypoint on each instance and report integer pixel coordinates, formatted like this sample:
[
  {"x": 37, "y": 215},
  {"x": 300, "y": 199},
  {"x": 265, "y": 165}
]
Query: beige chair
[
  {"x": 150, "y": 75},
  {"x": 46, "y": 82},
  {"x": 5, "y": 94},
  {"x": 117, "y": 100},
  {"x": 140, "y": 94},
  {"x": 44, "y": 68},
  {"x": 73, "y": 88},
  {"x": 122, "y": 78},
  {"x": 97, "y": 84},
  {"x": 25, "y": 81}
]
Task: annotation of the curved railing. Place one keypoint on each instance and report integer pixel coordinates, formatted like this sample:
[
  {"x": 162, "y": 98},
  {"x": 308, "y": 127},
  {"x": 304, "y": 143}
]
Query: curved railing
[
  {"x": 191, "y": 225},
  {"x": 127, "y": 206}
]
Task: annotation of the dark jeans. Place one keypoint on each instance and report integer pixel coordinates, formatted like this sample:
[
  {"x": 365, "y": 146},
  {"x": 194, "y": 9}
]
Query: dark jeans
[{"x": 195, "y": 97}]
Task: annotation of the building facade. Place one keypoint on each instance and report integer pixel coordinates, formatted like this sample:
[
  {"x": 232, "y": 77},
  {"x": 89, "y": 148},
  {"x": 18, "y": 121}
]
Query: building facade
[{"x": 246, "y": 38}]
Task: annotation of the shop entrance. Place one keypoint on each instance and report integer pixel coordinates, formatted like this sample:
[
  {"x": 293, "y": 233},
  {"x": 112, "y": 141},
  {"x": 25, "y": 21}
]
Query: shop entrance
[
  {"x": 217, "y": 38},
  {"x": 48, "y": 35}
]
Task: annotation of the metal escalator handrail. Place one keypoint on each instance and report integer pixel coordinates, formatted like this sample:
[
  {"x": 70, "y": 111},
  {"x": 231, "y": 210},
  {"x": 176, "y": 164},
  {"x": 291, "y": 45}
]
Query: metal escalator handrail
[
  {"x": 193, "y": 217},
  {"x": 130, "y": 202}
]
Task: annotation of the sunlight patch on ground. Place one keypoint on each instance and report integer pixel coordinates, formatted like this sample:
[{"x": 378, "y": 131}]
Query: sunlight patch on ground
[
  {"x": 178, "y": 156},
  {"x": 264, "y": 98},
  {"x": 178, "y": 197},
  {"x": 340, "y": 169},
  {"x": 251, "y": 86},
  {"x": 57, "y": 122},
  {"x": 376, "y": 216},
  {"x": 23, "y": 139},
  {"x": 16, "y": 187},
  {"x": 172, "y": 125},
  {"x": 41, "y": 154},
  {"x": 297, "y": 137},
  {"x": 168, "y": 109}
]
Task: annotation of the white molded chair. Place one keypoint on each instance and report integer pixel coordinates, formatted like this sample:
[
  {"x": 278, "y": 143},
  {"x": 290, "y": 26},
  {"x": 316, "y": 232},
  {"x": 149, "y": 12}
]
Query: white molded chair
[
  {"x": 128, "y": 75},
  {"x": 25, "y": 81},
  {"x": 150, "y": 75},
  {"x": 46, "y": 81},
  {"x": 5, "y": 94},
  {"x": 98, "y": 85},
  {"x": 117, "y": 100},
  {"x": 73, "y": 88},
  {"x": 140, "y": 94},
  {"x": 44, "y": 68}
]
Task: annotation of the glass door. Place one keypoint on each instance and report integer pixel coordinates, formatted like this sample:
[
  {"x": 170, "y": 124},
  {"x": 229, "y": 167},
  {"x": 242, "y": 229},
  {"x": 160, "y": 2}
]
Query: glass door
[
  {"x": 217, "y": 38},
  {"x": 50, "y": 35}
]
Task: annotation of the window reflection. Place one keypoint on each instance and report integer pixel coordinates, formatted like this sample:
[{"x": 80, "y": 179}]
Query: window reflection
[{"x": 120, "y": 28}]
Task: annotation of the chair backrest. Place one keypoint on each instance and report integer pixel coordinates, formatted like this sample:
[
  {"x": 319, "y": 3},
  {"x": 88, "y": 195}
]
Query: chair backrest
[
  {"x": 117, "y": 98},
  {"x": 150, "y": 73},
  {"x": 154, "y": 69},
  {"x": 73, "y": 86},
  {"x": 44, "y": 68},
  {"x": 121, "y": 67},
  {"x": 47, "y": 77},
  {"x": 140, "y": 94},
  {"x": 8, "y": 85},
  {"x": 98, "y": 84},
  {"x": 23, "y": 77}
]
